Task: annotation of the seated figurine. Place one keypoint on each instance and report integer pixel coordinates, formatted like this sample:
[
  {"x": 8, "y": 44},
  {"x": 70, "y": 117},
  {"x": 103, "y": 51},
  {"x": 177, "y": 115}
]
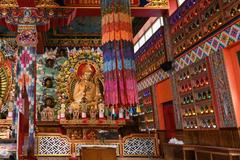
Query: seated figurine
[
  {"x": 84, "y": 108},
  {"x": 61, "y": 112},
  {"x": 43, "y": 115},
  {"x": 50, "y": 114},
  {"x": 5, "y": 133},
  {"x": 93, "y": 113},
  {"x": 47, "y": 114},
  {"x": 75, "y": 110}
]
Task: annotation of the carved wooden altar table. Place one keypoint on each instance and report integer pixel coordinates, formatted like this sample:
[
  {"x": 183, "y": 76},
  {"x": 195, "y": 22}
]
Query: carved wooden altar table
[{"x": 98, "y": 153}]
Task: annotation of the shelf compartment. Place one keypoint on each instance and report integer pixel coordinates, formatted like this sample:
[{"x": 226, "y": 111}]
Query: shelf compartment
[
  {"x": 206, "y": 115},
  {"x": 187, "y": 105},
  {"x": 205, "y": 101},
  {"x": 206, "y": 89},
  {"x": 201, "y": 74},
  {"x": 202, "y": 88}
]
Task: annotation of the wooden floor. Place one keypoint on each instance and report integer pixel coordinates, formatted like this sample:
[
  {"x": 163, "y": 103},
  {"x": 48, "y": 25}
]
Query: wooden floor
[
  {"x": 64, "y": 158},
  {"x": 137, "y": 158}
]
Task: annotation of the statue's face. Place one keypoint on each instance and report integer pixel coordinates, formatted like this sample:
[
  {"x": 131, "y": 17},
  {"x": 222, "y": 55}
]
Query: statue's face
[
  {"x": 48, "y": 83},
  {"x": 87, "y": 76},
  {"x": 48, "y": 102},
  {"x": 50, "y": 63}
]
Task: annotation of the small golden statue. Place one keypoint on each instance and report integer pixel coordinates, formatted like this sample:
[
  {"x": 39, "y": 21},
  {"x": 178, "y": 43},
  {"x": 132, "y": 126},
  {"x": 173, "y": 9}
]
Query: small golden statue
[
  {"x": 84, "y": 108},
  {"x": 48, "y": 113},
  {"x": 93, "y": 113},
  {"x": 10, "y": 104},
  {"x": 5, "y": 132},
  {"x": 76, "y": 110},
  {"x": 10, "y": 110},
  {"x": 62, "y": 111}
]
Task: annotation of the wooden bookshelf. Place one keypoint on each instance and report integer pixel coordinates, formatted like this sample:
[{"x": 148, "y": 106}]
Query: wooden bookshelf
[
  {"x": 146, "y": 114},
  {"x": 195, "y": 95}
]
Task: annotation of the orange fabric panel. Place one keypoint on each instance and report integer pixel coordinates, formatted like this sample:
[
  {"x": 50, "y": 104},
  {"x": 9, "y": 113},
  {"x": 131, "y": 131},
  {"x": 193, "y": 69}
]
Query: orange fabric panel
[
  {"x": 233, "y": 72},
  {"x": 163, "y": 94},
  {"x": 173, "y": 7},
  {"x": 164, "y": 91}
]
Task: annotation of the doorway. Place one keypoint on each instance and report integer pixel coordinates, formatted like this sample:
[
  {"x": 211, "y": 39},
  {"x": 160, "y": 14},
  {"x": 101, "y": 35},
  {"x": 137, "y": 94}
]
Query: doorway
[{"x": 169, "y": 119}]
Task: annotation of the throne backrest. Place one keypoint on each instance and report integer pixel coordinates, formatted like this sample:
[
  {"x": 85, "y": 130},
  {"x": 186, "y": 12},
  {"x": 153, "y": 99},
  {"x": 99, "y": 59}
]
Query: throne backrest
[
  {"x": 72, "y": 68},
  {"x": 72, "y": 82},
  {"x": 5, "y": 80}
]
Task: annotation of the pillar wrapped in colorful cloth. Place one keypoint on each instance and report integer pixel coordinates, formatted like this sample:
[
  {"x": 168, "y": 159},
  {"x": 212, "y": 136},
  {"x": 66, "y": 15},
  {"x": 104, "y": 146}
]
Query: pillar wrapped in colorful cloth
[{"x": 119, "y": 68}]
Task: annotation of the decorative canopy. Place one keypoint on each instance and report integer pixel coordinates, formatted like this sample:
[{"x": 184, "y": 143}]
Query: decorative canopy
[{"x": 8, "y": 3}]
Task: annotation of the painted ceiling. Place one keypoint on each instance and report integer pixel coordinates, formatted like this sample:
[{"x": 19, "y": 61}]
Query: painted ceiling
[
  {"x": 82, "y": 26},
  {"x": 91, "y": 26}
]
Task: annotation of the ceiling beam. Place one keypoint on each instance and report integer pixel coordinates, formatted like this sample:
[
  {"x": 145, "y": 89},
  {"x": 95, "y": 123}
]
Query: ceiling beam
[
  {"x": 26, "y": 3},
  {"x": 135, "y": 11},
  {"x": 143, "y": 30},
  {"x": 87, "y": 3},
  {"x": 147, "y": 12}
]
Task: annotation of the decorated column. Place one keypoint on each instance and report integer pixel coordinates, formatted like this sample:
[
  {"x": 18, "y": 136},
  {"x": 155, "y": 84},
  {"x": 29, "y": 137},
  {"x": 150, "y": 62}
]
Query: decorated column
[
  {"x": 119, "y": 67},
  {"x": 25, "y": 81}
]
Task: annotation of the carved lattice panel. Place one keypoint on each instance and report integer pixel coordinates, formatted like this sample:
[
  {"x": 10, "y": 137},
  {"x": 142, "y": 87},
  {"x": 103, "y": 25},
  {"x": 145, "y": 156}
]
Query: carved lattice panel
[
  {"x": 54, "y": 145},
  {"x": 53, "y": 158},
  {"x": 139, "y": 147}
]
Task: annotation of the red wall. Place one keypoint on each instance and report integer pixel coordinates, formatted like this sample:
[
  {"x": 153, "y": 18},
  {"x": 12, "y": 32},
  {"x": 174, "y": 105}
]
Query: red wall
[
  {"x": 163, "y": 94},
  {"x": 233, "y": 72}
]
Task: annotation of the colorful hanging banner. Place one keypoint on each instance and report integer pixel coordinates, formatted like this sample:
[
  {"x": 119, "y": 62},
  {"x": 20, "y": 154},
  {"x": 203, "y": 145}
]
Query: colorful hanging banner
[{"x": 119, "y": 68}]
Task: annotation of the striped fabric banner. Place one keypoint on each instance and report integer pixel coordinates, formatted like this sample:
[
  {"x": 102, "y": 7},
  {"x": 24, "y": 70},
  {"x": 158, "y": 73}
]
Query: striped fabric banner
[{"x": 119, "y": 68}]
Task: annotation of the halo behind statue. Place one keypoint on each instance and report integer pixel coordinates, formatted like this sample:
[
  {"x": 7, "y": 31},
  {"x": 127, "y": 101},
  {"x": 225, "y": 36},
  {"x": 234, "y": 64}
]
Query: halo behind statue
[
  {"x": 5, "y": 78},
  {"x": 84, "y": 67},
  {"x": 73, "y": 68}
]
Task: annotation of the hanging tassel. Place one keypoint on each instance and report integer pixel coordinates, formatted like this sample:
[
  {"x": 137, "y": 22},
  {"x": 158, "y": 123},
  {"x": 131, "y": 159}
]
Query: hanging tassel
[
  {"x": 131, "y": 111},
  {"x": 127, "y": 114},
  {"x": 138, "y": 109}
]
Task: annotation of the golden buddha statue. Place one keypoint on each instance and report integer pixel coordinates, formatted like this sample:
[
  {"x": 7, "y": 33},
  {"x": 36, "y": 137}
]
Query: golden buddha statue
[
  {"x": 86, "y": 91},
  {"x": 86, "y": 87}
]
